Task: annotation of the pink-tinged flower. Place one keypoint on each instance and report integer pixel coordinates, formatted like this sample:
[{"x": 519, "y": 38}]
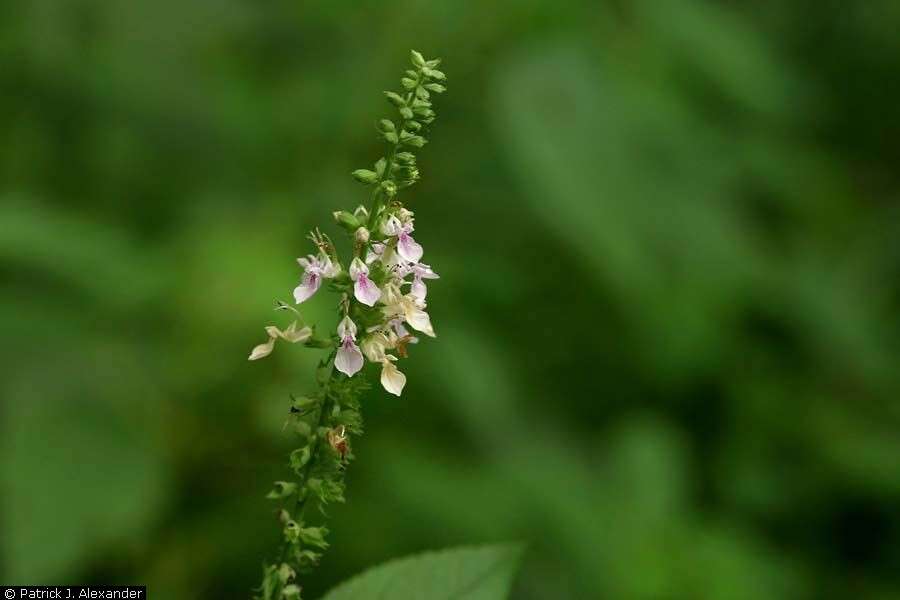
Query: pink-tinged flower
[
  {"x": 420, "y": 271},
  {"x": 407, "y": 247},
  {"x": 315, "y": 268},
  {"x": 384, "y": 253},
  {"x": 402, "y": 332},
  {"x": 391, "y": 378},
  {"x": 348, "y": 360},
  {"x": 363, "y": 288}
]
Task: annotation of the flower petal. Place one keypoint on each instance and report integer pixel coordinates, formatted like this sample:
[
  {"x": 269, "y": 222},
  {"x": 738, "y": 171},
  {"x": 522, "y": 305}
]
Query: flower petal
[
  {"x": 392, "y": 226},
  {"x": 424, "y": 271},
  {"x": 347, "y": 328},
  {"x": 358, "y": 268},
  {"x": 308, "y": 286},
  {"x": 418, "y": 319},
  {"x": 418, "y": 288},
  {"x": 408, "y": 248},
  {"x": 329, "y": 268},
  {"x": 262, "y": 350},
  {"x": 366, "y": 291},
  {"x": 373, "y": 347},
  {"x": 348, "y": 360},
  {"x": 391, "y": 378},
  {"x": 294, "y": 335}
]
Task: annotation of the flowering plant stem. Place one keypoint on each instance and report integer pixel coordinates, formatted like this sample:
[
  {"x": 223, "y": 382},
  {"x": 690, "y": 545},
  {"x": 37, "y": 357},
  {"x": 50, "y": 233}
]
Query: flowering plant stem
[{"x": 381, "y": 292}]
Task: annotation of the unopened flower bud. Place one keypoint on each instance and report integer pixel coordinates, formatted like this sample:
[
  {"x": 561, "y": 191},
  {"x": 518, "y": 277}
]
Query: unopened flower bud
[
  {"x": 365, "y": 176},
  {"x": 361, "y": 235},
  {"x": 390, "y": 189},
  {"x": 346, "y": 220},
  {"x": 361, "y": 213}
]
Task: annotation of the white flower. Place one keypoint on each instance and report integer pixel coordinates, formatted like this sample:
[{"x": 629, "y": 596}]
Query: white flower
[
  {"x": 262, "y": 350},
  {"x": 417, "y": 318},
  {"x": 408, "y": 307},
  {"x": 348, "y": 360},
  {"x": 407, "y": 247},
  {"x": 374, "y": 346},
  {"x": 363, "y": 289},
  {"x": 291, "y": 334},
  {"x": 384, "y": 253},
  {"x": 315, "y": 268},
  {"x": 419, "y": 271},
  {"x": 391, "y": 378}
]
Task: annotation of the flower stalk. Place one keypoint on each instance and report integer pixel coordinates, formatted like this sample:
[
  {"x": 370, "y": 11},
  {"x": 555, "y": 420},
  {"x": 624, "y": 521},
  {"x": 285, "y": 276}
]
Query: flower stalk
[{"x": 382, "y": 291}]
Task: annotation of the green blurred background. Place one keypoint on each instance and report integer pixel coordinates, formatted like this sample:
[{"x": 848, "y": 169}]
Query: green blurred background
[{"x": 668, "y": 327}]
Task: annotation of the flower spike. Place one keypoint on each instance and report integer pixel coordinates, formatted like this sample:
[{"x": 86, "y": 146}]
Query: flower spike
[{"x": 382, "y": 300}]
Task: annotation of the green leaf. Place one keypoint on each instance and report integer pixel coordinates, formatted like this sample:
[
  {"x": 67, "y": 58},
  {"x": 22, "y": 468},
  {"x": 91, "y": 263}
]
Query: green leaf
[{"x": 474, "y": 573}]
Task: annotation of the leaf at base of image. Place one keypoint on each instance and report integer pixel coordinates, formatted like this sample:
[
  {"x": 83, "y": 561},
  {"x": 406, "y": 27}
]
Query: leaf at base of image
[{"x": 473, "y": 573}]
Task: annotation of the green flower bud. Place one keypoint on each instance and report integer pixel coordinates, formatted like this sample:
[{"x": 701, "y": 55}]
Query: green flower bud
[
  {"x": 395, "y": 98},
  {"x": 386, "y": 125},
  {"x": 408, "y": 83},
  {"x": 361, "y": 212},
  {"x": 286, "y": 573},
  {"x": 417, "y": 59},
  {"x": 390, "y": 189},
  {"x": 406, "y": 112},
  {"x": 292, "y": 532},
  {"x": 436, "y": 88},
  {"x": 346, "y": 220},
  {"x": 361, "y": 235},
  {"x": 405, "y": 158},
  {"x": 283, "y": 489},
  {"x": 365, "y": 176}
]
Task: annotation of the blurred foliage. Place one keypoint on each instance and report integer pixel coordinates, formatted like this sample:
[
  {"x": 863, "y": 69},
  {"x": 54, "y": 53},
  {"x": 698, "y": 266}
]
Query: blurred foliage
[{"x": 669, "y": 336}]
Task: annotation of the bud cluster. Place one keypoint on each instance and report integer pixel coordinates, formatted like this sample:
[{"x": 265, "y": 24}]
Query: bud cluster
[{"x": 382, "y": 291}]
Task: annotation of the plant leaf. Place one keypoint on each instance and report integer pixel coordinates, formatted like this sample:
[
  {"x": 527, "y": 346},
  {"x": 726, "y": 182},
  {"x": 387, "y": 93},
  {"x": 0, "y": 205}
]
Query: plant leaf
[{"x": 472, "y": 573}]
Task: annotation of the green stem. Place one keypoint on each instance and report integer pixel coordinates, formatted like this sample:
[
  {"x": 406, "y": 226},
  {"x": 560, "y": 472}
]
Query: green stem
[
  {"x": 322, "y": 408},
  {"x": 389, "y": 164}
]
